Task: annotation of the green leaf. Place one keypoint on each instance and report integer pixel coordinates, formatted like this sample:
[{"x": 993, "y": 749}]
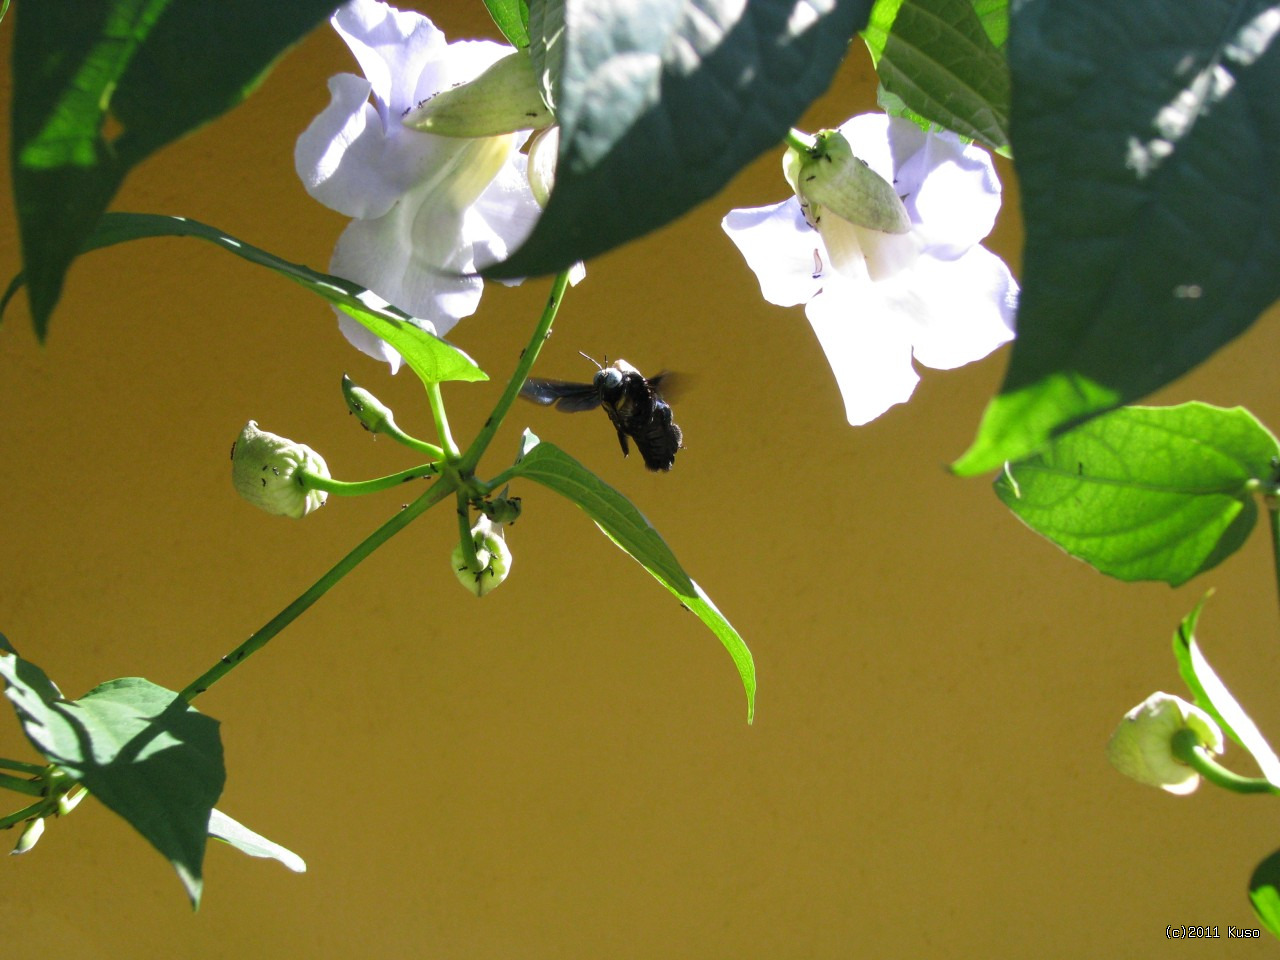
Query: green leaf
[
  {"x": 661, "y": 103},
  {"x": 245, "y": 840},
  {"x": 626, "y": 526},
  {"x": 139, "y": 748},
  {"x": 99, "y": 86},
  {"x": 512, "y": 18},
  {"x": 432, "y": 359},
  {"x": 1212, "y": 696},
  {"x": 1145, "y": 138},
  {"x": 1264, "y": 893},
  {"x": 937, "y": 56},
  {"x": 1146, "y": 493}
]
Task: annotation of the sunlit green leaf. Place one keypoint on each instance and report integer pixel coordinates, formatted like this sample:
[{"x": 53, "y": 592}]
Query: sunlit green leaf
[
  {"x": 1212, "y": 696},
  {"x": 1145, "y": 138},
  {"x": 139, "y": 748},
  {"x": 245, "y": 840},
  {"x": 512, "y": 18},
  {"x": 1264, "y": 893},
  {"x": 661, "y": 103},
  {"x": 432, "y": 359},
  {"x": 99, "y": 86},
  {"x": 939, "y": 59},
  {"x": 626, "y": 526},
  {"x": 1146, "y": 493}
]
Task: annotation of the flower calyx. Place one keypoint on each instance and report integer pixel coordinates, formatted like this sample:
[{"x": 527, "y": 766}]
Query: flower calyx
[
  {"x": 503, "y": 99},
  {"x": 1142, "y": 746},
  {"x": 830, "y": 178},
  {"x": 269, "y": 471}
]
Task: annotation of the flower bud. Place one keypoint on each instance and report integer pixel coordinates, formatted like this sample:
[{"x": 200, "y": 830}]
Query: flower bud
[
  {"x": 544, "y": 146},
  {"x": 503, "y": 99},
  {"x": 830, "y": 178},
  {"x": 30, "y": 835},
  {"x": 1142, "y": 746},
  {"x": 264, "y": 469},
  {"x": 374, "y": 415},
  {"x": 500, "y": 509},
  {"x": 492, "y": 555}
]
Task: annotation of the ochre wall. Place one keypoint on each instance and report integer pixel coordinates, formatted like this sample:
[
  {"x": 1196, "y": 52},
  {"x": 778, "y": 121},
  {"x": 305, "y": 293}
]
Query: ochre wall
[{"x": 562, "y": 770}]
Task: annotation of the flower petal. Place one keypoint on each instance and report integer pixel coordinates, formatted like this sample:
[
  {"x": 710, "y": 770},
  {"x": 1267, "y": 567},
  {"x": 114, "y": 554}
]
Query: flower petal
[
  {"x": 869, "y": 349},
  {"x": 503, "y": 216},
  {"x": 784, "y": 252},
  {"x": 392, "y": 47},
  {"x": 952, "y": 192},
  {"x": 884, "y": 143},
  {"x": 339, "y": 157},
  {"x": 958, "y": 310}
]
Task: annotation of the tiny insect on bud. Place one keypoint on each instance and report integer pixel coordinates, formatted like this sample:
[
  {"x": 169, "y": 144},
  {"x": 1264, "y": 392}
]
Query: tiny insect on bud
[
  {"x": 503, "y": 99},
  {"x": 830, "y": 178},
  {"x": 374, "y": 415},
  {"x": 265, "y": 469},
  {"x": 493, "y": 557},
  {"x": 1142, "y": 746},
  {"x": 500, "y": 509}
]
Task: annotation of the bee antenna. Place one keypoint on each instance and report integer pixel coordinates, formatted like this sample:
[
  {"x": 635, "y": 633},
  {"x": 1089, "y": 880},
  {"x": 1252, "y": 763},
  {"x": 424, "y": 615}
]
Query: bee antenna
[{"x": 581, "y": 354}]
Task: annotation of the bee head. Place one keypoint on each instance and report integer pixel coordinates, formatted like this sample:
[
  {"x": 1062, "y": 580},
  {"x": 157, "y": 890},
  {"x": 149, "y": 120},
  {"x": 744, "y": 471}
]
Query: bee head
[{"x": 608, "y": 381}]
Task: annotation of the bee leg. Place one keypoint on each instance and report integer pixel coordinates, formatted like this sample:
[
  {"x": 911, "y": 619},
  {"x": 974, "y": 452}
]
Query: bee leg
[{"x": 622, "y": 440}]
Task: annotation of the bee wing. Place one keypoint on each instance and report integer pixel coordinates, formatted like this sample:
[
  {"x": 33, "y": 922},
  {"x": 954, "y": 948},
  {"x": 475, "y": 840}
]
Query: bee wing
[
  {"x": 567, "y": 396},
  {"x": 668, "y": 385}
]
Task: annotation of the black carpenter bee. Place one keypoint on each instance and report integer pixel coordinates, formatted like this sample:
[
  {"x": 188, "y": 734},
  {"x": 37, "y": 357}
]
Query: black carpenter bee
[{"x": 633, "y": 403}]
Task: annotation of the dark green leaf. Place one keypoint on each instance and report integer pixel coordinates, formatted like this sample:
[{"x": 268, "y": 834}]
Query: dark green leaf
[
  {"x": 1145, "y": 135},
  {"x": 1212, "y": 696},
  {"x": 661, "y": 103},
  {"x": 1146, "y": 493},
  {"x": 937, "y": 56},
  {"x": 994, "y": 17},
  {"x": 1264, "y": 893},
  {"x": 626, "y": 526},
  {"x": 139, "y": 748},
  {"x": 432, "y": 359},
  {"x": 255, "y": 845},
  {"x": 512, "y": 18},
  {"x": 100, "y": 85}
]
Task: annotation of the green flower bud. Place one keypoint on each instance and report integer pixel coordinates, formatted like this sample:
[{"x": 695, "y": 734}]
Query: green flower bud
[
  {"x": 265, "y": 470},
  {"x": 503, "y": 99},
  {"x": 492, "y": 554},
  {"x": 500, "y": 509},
  {"x": 374, "y": 415},
  {"x": 544, "y": 146},
  {"x": 30, "y": 835},
  {"x": 1142, "y": 746},
  {"x": 831, "y": 179}
]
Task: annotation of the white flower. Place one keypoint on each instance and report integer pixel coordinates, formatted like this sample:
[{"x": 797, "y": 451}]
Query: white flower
[
  {"x": 876, "y": 299},
  {"x": 428, "y": 209},
  {"x": 264, "y": 469},
  {"x": 1141, "y": 747}
]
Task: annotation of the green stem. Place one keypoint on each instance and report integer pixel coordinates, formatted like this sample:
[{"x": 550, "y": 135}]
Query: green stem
[
  {"x": 343, "y": 488},
  {"x": 442, "y": 421},
  {"x": 464, "y": 535},
  {"x": 518, "y": 377},
  {"x": 290, "y": 613},
  {"x": 1187, "y": 748},
  {"x": 429, "y": 449},
  {"x": 800, "y": 141},
  {"x": 35, "y": 769},
  {"x": 24, "y": 814},
  {"x": 32, "y": 788},
  {"x": 1273, "y": 512}
]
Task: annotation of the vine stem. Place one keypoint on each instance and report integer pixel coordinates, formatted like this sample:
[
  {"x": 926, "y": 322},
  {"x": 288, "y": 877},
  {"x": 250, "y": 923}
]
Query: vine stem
[
  {"x": 1187, "y": 748},
  {"x": 530, "y": 353},
  {"x": 344, "y": 488},
  {"x": 800, "y": 142},
  {"x": 1273, "y": 512},
  {"x": 258, "y": 640}
]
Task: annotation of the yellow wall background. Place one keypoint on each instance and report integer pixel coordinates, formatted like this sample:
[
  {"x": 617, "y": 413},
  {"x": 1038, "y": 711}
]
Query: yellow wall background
[{"x": 562, "y": 770}]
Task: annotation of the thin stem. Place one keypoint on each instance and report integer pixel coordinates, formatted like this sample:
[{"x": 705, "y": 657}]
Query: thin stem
[
  {"x": 393, "y": 431},
  {"x": 32, "y": 768},
  {"x": 1273, "y": 512},
  {"x": 442, "y": 421},
  {"x": 464, "y": 535},
  {"x": 32, "y": 788},
  {"x": 24, "y": 814},
  {"x": 1187, "y": 748},
  {"x": 438, "y": 492},
  {"x": 518, "y": 377},
  {"x": 343, "y": 488},
  {"x": 800, "y": 141}
]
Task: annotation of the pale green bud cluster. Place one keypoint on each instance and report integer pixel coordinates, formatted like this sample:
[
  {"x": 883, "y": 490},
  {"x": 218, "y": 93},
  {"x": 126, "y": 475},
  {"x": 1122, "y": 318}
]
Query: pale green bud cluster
[
  {"x": 493, "y": 558},
  {"x": 266, "y": 470},
  {"x": 503, "y": 99},
  {"x": 1142, "y": 746}
]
